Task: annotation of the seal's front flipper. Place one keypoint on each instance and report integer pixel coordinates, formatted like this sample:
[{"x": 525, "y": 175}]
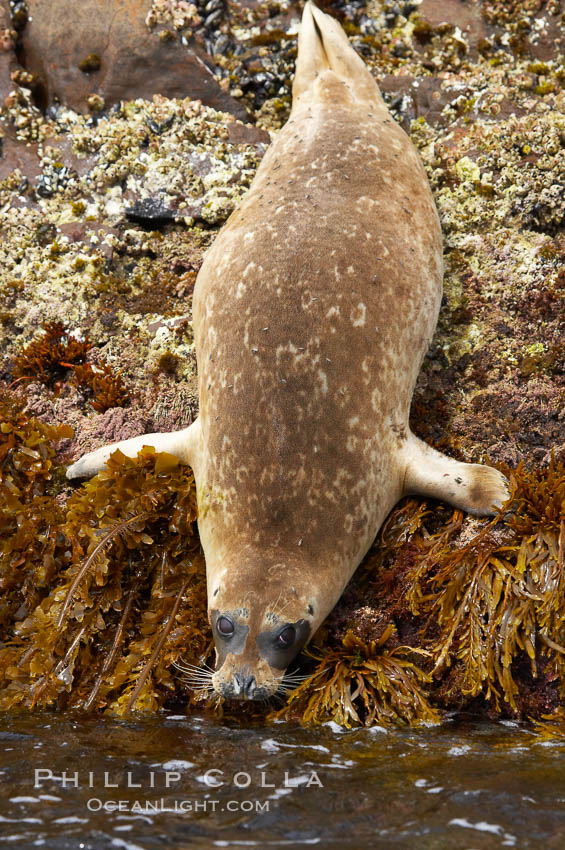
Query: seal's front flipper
[
  {"x": 182, "y": 444},
  {"x": 472, "y": 487}
]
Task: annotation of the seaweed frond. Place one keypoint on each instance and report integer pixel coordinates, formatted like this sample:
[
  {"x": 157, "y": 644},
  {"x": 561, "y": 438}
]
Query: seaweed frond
[
  {"x": 117, "y": 527},
  {"x": 497, "y": 599},
  {"x": 88, "y": 588},
  {"x": 31, "y": 548},
  {"x": 149, "y": 666},
  {"x": 50, "y": 357},
  {"x": 551, "y": 727},
  {"x": 107, "y": 388},
  {"x": 363, "y": 683}
]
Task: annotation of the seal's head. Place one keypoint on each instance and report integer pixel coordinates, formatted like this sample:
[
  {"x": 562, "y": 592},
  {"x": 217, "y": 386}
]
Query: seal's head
[{"x": 260, "y": 623}]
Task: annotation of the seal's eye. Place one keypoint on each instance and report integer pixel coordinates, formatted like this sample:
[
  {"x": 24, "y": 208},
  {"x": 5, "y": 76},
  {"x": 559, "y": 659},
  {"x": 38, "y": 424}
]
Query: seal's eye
[
  {"x": 286, "y": 637},
  {"x": 225, "y": 627}
]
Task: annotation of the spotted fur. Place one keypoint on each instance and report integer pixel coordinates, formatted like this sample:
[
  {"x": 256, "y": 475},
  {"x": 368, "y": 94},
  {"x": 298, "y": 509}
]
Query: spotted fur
[{"x": 312, "y": 313}]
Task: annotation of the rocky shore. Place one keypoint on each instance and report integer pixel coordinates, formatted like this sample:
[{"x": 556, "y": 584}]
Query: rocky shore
[{"x": 131, "y": 129}]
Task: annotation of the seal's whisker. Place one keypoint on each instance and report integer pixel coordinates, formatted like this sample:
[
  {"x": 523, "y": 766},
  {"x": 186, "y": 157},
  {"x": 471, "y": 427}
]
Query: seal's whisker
[
  {"x": 302, "y": 677},
  {"x": 201, "y": 677},
  {"x": 273, "y": 607},
  {"x": 193, "y": 681},
  {"x": 196, "y": 669},
  {"x": 206, "y": 680},
  {"x": 293, "y": 678},
  {"x": 203, "y": 674},
  {"x": 193, "y": 668},
  {"x": 199, "y": 687},
  {"x": 188, "y": 664},
  {"x": 205, "y": 683},
  {"x": 280, "y": 611}
]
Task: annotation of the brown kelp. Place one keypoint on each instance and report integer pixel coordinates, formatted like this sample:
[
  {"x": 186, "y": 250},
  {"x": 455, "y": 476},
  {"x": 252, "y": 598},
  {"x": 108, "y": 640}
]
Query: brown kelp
[
  {"x": 494, "y": 602},
  {"x": 363, "y": 683},
  {"x": 102, "y": 597},
  {"x": 551, "y": 726}
]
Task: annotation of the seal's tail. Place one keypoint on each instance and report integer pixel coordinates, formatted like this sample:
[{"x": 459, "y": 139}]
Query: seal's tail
[{"x": 323, "y": 46}]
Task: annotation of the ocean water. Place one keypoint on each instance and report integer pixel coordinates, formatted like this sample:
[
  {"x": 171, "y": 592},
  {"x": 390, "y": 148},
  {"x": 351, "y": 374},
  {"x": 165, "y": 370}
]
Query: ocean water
[{"x": 68, "y": 781}]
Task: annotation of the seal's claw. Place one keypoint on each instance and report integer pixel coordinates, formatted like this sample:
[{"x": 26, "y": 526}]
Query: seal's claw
[
  {"x": 89, "y": 464},
  {"x": 489, "y": 490}
]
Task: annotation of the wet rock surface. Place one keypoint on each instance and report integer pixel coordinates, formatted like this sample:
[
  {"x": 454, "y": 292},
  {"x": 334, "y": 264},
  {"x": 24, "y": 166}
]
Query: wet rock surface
[
  {"x": 8, "y": 61},
  {"x": 93, "y": 54}
]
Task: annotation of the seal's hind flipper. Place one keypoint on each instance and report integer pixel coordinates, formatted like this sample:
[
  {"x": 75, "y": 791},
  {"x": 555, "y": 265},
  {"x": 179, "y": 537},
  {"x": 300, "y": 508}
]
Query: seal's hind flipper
[
  {"x": 182, "y": 444},
  {"x": 311, "y": 57},
  {"x": 323, "y": 46},
  {"x": 472, "y": 487}
]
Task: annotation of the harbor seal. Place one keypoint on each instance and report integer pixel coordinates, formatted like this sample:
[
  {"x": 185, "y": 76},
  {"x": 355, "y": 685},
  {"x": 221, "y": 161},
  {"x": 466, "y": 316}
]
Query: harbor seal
[{"x": 312, "y": 313}]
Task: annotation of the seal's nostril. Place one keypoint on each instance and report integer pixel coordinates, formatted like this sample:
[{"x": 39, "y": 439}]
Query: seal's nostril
[
  {"x": 249, "y": 686},
  {"x": 244, "y": 684}
]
